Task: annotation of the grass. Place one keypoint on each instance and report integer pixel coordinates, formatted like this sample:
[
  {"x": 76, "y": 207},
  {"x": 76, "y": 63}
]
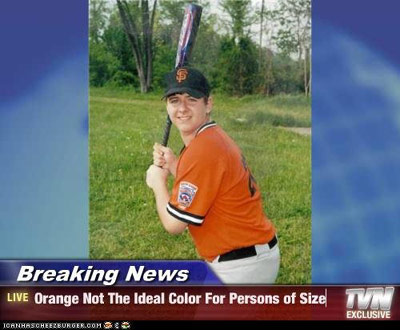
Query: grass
[{"x": 123, "y": 218}]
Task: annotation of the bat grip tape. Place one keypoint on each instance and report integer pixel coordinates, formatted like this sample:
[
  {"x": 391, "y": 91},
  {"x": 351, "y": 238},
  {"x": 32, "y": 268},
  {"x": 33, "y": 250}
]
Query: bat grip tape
[{"x": 167, "y": 129}]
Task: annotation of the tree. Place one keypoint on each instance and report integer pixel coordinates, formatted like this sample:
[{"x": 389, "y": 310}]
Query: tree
[
  {"x": 285, "y": 75},
  {"x": 171, "y": 16},
  {"x": 98, "y": 19},
  {"x": 294, "y": 35},
  {"x": 103, "y": 65},
  {"x": 238, "y": 55},
  {"x": 237, "y": 66},
  {"x": 261, "y": 25},
  {"x": 209, "y": 40},
  {"x": 117, "y": 43},
  {"x": 267, "y": 23},
  {"x": 239, "y": 13},
  {"x": 133, "y": 15}
]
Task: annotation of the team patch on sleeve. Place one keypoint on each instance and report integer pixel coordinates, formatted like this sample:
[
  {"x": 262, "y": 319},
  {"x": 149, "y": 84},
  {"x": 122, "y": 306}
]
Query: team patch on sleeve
[{"x": 186, "y": 194}]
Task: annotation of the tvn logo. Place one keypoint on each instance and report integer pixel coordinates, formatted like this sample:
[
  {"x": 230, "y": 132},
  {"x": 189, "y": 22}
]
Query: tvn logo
[{"x": 370, "y": 303}]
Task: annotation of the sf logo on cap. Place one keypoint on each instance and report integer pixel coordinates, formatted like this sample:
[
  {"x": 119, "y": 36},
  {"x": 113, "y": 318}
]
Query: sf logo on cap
[{"x": 181, "y": 75}]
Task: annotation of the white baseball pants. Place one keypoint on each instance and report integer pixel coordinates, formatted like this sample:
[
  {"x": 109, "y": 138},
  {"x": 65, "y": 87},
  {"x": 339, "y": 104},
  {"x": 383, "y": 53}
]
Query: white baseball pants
[{"x": 260, "y": 269}]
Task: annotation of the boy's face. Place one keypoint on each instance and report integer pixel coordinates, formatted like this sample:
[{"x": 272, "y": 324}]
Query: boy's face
[{"x": 188, "y": 113}]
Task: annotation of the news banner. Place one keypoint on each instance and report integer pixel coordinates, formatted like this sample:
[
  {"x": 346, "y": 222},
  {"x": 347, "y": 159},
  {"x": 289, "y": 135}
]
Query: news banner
[{"x": 122, "y": 291}]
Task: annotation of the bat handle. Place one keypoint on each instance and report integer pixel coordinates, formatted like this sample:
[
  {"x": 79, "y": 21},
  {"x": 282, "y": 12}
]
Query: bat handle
[{"x": 167, "y": 129}]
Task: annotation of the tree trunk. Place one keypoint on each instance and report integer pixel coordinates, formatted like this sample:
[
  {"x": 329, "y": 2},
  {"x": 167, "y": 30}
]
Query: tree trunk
[
  {"x": 146, "y": 34},
  {"x": 310, "y": 77},
  {"x": 269, "y": 73},
  {"x": 261, "y": 28},
  {"x": 307, "y": 72},
  {"x": 141, "y": 47},
  {"x": 150, "y": 46}
]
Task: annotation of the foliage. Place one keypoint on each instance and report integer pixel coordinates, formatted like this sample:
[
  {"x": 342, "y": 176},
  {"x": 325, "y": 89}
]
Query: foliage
[
  {"x": 286, "y": 76},
  {"x": 239, "y": 13},
  {"x": 116, "y": 42},
  {"x": 163, "y": 62},
  {"x": 137, "y": 18},
  {"x": 122, "y": 78},
  {"x": 237, "y": 66},
  {"x": 98, "y": 19},
  {"x": 295, "y": 26},
  {"x": 234, "y": 62},
  {"x": 103, "y": 65},
  {"x": 294, "y": 35}
]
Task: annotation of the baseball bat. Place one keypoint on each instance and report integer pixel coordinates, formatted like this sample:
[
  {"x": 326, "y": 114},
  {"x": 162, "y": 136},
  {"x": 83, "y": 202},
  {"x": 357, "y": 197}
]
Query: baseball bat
[{"x": 187, "y": 38}]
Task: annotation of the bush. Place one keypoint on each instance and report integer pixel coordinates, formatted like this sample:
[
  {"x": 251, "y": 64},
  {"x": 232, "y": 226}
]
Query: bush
[
  {"x": 287, "y": 78},
  {"x": 121, "y": 79},
  {"x": 103, "y": 65},
  {"x": 237, "y": 67}
]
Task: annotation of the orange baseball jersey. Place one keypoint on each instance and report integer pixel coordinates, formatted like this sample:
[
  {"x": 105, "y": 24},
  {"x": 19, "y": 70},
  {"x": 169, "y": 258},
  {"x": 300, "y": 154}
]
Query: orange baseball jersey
[{"x": 215, "y": 193}]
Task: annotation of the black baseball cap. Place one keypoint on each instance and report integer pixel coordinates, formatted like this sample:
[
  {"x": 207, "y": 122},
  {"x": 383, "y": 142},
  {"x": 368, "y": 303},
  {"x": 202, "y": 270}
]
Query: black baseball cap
[{"x": 186, "y": 80}]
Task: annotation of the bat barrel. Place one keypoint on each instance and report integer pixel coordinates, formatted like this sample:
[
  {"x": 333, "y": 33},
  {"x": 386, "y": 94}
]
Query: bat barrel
[{"x": 190, "y": 25}]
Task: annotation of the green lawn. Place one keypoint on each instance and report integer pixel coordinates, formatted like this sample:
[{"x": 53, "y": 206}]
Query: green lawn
[{"x": 123, "y": 218}]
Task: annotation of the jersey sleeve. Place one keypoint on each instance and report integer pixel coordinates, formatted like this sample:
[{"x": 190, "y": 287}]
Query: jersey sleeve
[{"x": 198, "y": 181}]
